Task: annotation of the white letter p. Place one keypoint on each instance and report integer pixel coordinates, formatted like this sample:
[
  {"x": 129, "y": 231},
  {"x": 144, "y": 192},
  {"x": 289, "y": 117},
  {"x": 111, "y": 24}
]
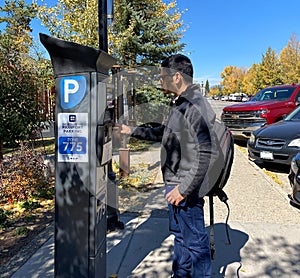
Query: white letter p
[{"x": 71, "y": 86}]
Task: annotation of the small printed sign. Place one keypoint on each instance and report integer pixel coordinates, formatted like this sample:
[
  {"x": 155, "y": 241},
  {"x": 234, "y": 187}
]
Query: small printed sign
[
  {"x": 106, "y": 152},
  {"x": 72, "y": 137}
]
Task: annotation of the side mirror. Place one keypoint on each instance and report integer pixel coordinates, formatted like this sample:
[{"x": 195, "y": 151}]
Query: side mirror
[{"x": 297, "y": 100}]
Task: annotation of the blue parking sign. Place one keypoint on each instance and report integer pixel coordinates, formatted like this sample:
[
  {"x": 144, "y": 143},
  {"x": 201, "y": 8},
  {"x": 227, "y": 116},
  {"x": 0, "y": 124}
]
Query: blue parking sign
[{"x": 72, "y": 91}]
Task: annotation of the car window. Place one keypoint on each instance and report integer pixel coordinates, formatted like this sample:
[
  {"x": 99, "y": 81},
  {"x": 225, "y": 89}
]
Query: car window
[
  {"x": 274, "y": 94},
  {"x": 294, "y": 115}
]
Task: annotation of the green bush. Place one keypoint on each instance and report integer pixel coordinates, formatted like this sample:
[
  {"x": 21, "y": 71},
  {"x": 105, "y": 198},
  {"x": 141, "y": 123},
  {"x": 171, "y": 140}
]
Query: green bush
[
  {"x": 30, "y": 205},
  {"x": 21, "y": 231},
  {"x": 4, "y": 218}
]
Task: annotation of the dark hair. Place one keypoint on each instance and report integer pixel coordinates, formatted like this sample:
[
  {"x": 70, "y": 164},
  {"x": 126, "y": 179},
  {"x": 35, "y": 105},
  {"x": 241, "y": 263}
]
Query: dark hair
[{"x": 180, "y": 63}]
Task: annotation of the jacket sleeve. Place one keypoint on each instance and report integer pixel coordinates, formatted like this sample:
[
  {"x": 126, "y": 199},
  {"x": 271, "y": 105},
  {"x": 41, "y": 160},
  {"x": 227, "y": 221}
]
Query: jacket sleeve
[{"x": 148, "y": 133}]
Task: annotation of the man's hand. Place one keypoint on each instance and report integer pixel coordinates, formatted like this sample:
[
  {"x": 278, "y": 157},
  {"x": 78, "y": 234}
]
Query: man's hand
[
  {"x": 174, "y": 197},
  {"x": 125, "y": 129}
]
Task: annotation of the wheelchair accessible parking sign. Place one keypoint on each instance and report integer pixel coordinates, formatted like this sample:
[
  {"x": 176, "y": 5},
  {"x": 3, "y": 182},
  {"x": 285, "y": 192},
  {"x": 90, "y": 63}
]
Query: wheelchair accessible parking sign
[{"x": 72, "y": 137}]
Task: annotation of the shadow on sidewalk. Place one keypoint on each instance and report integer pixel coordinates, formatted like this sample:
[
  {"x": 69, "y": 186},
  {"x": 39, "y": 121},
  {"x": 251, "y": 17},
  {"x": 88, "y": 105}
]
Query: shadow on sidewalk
[
  {"x": 226, "y": 253},
  {"x": 140, "y": 248},
  {"x": 146, "y": 249}
]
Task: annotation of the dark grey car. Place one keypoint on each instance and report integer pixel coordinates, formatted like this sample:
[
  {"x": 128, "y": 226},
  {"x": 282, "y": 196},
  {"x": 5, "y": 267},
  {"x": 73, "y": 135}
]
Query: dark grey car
[
  {"x": 278, "y": 142},
  {"x": 294, "y": 177}
]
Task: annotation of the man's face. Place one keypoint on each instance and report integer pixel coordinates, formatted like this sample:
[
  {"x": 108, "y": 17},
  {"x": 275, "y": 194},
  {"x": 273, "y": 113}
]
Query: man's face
[{"x": 166, "y": 82}]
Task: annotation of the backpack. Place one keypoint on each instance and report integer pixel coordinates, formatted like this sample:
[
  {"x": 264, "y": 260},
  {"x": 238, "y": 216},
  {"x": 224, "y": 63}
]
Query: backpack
[
  {"x": 220, "y": 171},
  {"x": 221, "y": 163}
]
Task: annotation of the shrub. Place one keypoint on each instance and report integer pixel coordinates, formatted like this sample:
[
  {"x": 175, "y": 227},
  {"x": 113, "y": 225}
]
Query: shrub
[
  {"x": 4, "y": 221},
  {"x": 21, "y": 231},
  {"x": 22, "y": 175}
]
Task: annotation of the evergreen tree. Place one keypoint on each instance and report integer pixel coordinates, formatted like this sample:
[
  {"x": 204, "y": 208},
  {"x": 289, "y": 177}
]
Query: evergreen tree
[
  {"x": 144, "y": 32},
  {"x": 17, "y": 17},
  {"x": 207, "y": 88}
]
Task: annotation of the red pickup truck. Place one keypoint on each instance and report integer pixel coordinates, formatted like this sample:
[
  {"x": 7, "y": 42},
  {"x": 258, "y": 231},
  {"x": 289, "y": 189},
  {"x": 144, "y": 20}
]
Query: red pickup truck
[{"x": 268, "y": 106}]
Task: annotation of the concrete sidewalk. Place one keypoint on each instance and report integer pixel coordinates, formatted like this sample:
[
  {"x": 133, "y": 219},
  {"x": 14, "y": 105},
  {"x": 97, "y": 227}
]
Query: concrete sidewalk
[{"x": 264, "y": 233}]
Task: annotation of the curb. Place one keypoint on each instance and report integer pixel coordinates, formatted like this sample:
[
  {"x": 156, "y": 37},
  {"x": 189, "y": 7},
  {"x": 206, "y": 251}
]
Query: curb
[{"x": 26, "y": 253}]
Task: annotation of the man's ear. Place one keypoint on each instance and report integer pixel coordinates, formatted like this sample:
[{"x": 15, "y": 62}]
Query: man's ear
[{"x": 178, "y": 77}]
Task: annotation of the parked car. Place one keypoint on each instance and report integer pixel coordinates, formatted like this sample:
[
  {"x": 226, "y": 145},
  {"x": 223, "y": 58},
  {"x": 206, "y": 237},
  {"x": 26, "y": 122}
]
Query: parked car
[
  {"x": 294, "y": 177},
  {"x": 225, "y": 98},
  {"x": 235, "y": 97},
  {"x": 268, "y": 106},
  {"x": 245, "y": 97},
  {"x": 278, "y": 142}
]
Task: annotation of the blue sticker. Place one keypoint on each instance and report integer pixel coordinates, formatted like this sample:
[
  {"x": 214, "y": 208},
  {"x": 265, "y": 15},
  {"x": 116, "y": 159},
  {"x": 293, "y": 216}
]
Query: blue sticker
[
  {"x": 72, "y": 145},
  {"x": 72, "y": 91}
]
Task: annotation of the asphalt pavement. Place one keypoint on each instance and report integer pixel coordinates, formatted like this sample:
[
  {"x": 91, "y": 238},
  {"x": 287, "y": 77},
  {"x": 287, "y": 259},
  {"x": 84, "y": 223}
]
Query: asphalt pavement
[{"x": 263, "y": 229}]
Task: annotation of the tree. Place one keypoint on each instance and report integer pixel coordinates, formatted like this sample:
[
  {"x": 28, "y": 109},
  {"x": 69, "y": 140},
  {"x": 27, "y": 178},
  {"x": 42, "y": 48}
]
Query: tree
[
  {"x": 232, "y": 80},
  {"x": 19, "y": 112},
  {"x": 207, "y": 88},
  {"x": 216, "y": 91},
  {"x": 252, "y": 81},
  {"x": 271, "y": 70},
  {"x": 17, "y": 19},
  {"x": 290, "y": 61},
  {"x": 144, "y": 32},
  {"x": 18, "y": 104},
  {"x": 72, "y": 20}
]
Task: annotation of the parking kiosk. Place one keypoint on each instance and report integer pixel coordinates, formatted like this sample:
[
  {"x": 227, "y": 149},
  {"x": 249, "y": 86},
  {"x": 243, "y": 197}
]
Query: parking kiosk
[{"x": 83, "y": 133}]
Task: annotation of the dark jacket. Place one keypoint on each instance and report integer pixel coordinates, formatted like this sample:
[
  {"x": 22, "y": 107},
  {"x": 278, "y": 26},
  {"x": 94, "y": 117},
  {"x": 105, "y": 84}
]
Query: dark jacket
[{"x": 186, "y": 142}]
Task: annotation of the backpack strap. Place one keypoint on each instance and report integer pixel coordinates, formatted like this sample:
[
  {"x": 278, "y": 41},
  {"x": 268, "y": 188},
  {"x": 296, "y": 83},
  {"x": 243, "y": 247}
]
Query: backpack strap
[
  {"x": 212, "y": 230},
  {"x": 223, "y": 198}
]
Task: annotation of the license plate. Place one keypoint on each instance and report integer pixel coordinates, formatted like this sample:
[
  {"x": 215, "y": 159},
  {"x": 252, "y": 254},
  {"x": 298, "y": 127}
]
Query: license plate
[{"x": 266, "y": 155}]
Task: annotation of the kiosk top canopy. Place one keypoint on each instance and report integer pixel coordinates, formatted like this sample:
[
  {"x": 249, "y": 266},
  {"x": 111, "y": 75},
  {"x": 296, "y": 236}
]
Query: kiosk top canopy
[{"x": 69, "y": 57}]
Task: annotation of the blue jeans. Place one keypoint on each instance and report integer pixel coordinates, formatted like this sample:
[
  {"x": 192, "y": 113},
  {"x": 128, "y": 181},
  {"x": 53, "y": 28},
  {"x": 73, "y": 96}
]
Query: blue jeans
[{"x": 191, "y": 244}]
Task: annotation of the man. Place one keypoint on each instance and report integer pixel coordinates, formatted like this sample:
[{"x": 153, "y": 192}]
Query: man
[{"x": 186, "y": 151}]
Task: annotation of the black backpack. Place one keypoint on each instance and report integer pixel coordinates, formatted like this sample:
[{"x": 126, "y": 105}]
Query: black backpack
[{"x": 220, "y": 171}]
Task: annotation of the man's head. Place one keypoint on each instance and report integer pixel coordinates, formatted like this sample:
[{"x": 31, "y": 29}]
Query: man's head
[{"x": 176, "y": 74}]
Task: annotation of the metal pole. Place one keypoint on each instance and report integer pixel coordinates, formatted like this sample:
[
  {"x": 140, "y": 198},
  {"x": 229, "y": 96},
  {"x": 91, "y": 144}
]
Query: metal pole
[
  {"x": 102, "y": 20},
  {"x": 112, "y": 210},
  {"x": 110, "y": 11}
]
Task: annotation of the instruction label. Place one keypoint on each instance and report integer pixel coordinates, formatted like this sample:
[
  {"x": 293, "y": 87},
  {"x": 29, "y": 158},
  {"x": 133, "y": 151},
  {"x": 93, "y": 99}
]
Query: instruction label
[{"x": 72, "y": 137}]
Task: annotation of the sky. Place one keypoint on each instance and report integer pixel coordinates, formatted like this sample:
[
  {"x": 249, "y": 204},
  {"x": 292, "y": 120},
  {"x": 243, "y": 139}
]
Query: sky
[
  {"x": 221, "y": 33},
  {"x": 235, "y": 32}
]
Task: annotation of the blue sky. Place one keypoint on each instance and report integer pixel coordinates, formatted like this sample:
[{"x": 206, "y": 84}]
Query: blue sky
[{"x": 234, "y": 32}]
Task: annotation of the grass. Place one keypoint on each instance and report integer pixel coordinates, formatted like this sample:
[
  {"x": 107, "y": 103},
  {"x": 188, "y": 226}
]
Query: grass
[{"x": 137, "y": 145}]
